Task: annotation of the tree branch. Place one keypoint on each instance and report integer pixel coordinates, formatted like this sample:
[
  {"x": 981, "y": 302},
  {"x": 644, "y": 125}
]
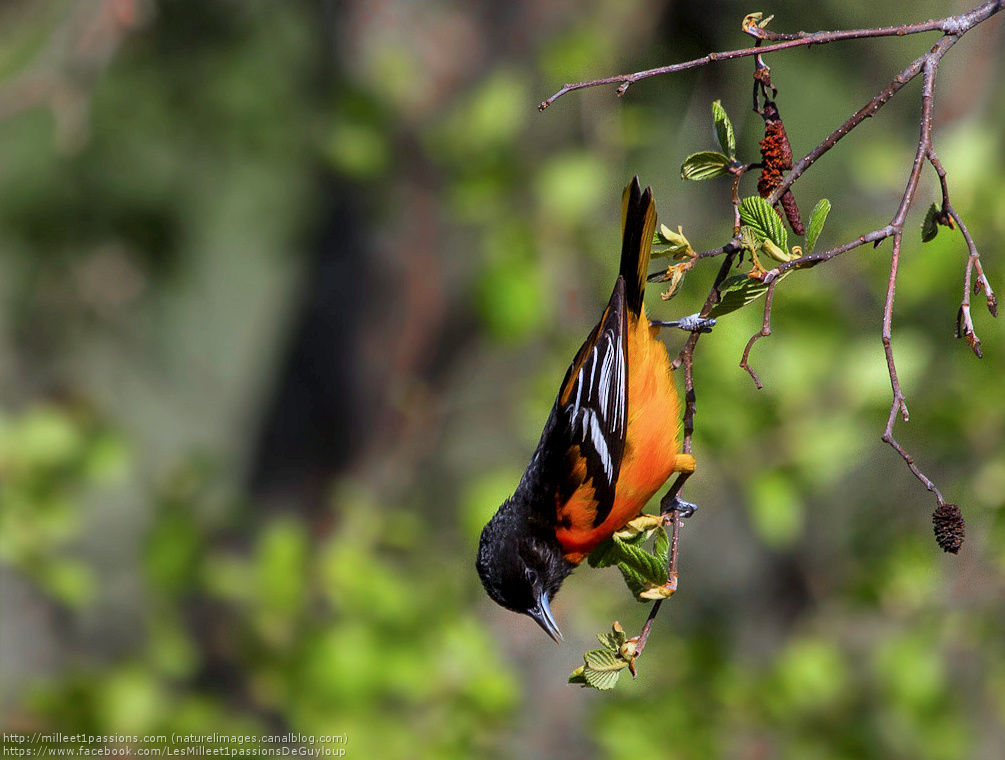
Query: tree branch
[{"x": 951, "y": 25}]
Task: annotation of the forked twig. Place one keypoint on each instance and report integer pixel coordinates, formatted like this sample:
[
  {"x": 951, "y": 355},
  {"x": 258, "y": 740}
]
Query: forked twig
[{"x": 764, "y": 332}]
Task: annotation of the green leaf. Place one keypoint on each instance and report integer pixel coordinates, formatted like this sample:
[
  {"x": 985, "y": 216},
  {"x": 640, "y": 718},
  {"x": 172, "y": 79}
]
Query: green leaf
[
  {"x": 621, "y": 547},
  {"x": 603, "y": 666},
  {"x": 724, "y": 129},
  {"x": 615, "y": 638},
  {"x": 930, "y": 228},
  {"x": 661, "y": 546},
  {"x": 604, "y": 660},
  {"x": 736, "y": 292},
  {"x": 602, "y": 669},
  {"x": 644, "y": 563},
  {"x": 606, "y": 554},
  {"x": 816, "y": 225},
  {"x": 641, "y": 569},
  {"x": 749, "y": 239},
  {"x": 636, "y": 583},
  {"x": 772, "y": 251},
  {"x": 602, "y": 679},
  {"x": 609, "y": 641},
  {"x": 679, "y": 247},
  {"x": 704, "y": 165},
  {"x": 758, "y": 214}
]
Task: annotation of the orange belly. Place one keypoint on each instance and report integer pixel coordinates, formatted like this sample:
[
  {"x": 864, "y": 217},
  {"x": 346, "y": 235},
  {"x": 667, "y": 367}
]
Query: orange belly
[{"x": 650, "y": 455}]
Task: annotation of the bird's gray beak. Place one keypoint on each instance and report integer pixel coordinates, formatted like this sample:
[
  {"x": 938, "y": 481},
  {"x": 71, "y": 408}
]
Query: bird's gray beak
[{"x": 543, "y": 617}]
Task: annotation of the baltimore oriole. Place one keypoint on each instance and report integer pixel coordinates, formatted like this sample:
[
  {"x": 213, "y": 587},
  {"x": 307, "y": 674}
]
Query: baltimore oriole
[{"x": 607, "y": 447}]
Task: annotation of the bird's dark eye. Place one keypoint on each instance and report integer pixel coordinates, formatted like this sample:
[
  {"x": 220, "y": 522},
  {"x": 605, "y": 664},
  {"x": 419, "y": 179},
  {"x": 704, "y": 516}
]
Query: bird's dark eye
[{"x": 531, "y": 576}]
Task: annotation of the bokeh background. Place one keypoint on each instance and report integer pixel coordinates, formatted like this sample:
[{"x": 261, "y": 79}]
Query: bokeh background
[{"x": 288, "y": 289}]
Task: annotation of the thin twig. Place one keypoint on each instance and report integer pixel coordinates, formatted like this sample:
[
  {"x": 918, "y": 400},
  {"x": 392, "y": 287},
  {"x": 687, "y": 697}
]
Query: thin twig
[
  {"x": 951, "y": 25},
  {"x": 965, "y": 326},
  {"x": 899, "y": 403},
  {"x": 764, "y": 332}
]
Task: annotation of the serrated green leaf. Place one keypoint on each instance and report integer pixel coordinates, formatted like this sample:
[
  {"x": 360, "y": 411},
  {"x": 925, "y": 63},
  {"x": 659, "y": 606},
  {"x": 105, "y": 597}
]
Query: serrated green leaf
[
  {"x": 704, "y": 165},
  {"x": 758, "y": 214},
  {"x": 641, "y": 585},
  {"x": 602, "y": 679},
  {"x": 724, "y": 129},
  {"x": 609, "y": 640},
  {"x": 930, "y": 228},
  {"x": 624, "y": 546},
  {"x": 614, "y": 639},
  {"x": 631, "y": 554},
  {"x": 644, "y": 563},
  {"x": 635, "y": 582},
  {"x": 736, "y": 292},
  {"x": 749, "y": 239},
  {"x": 661, "y": 546},
  {"x": 603, "y": 660},
  {"x": 816, "y": 225},
  {"x": 602, "y": 669},
  {"x": 733, "y": 283},
  {"x": 641, "y": 569}
]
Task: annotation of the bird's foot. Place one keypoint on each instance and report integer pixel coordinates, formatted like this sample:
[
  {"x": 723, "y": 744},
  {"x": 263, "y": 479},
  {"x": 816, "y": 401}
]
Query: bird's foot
[
  {"x": 690, "y": 323},
  {"x": 676, "y": 504}
]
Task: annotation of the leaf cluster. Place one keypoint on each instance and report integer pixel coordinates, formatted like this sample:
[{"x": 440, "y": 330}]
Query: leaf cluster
[
  {"x": 762, "y": 233},
  {"x": 602, "y": 667},
  {"x": 645, "y": 572},
  {"x": 761, "y": 230}
]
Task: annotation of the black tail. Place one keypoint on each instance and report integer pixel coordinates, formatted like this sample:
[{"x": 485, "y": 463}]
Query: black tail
[{"x": 638, "y": 223}]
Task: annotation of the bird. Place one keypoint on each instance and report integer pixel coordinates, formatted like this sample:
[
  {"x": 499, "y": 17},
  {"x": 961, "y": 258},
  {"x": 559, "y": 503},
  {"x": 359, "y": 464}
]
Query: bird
[{"x": 610, "y": 442}]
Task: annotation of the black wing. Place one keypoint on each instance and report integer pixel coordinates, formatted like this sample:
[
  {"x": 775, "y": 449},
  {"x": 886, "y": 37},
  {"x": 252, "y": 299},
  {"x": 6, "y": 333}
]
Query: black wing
[{"x": 592, "y": 407}]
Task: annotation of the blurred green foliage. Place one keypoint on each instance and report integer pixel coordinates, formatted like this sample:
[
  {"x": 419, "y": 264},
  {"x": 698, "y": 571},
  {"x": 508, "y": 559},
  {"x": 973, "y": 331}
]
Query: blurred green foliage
[
  {"x": 148, "y": 264},
  {"x": 51, "y": 459}
]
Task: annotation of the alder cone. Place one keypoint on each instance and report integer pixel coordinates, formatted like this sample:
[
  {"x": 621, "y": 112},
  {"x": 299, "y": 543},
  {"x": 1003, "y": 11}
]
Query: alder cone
[{"x": 950, "y": 530}]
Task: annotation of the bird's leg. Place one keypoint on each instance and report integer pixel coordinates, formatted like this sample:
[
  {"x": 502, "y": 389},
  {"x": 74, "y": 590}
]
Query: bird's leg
[
  {"x": 672, "y": 510},
  {"x": 690, "y": 323}
]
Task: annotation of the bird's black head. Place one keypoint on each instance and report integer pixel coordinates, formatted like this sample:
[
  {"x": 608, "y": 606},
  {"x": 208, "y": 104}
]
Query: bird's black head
[{"x": 522, "y": 569}]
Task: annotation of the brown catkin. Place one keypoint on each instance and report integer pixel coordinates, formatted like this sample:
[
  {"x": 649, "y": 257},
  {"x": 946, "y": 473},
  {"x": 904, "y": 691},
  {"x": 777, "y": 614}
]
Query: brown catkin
[
  {"x": 788, "y": 201},
  {"x": 776, "y": 157},
  {"x": 950, "y": 530}
]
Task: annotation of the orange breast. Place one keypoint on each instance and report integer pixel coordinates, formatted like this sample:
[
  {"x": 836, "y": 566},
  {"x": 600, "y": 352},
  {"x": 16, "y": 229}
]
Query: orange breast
[{"x": 650, "y": 456}]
